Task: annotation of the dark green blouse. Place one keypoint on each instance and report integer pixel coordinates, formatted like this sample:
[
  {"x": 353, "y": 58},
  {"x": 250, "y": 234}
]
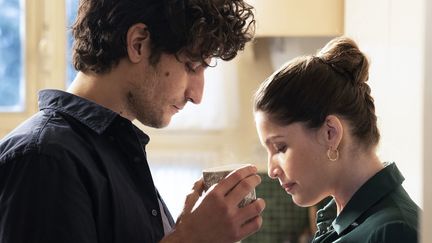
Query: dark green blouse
[{"x": 380, "y": 211}]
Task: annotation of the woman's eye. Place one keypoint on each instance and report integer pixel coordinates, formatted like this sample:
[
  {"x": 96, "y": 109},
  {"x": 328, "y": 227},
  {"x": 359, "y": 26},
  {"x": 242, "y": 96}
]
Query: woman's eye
[{"x": 280, "y": 148}]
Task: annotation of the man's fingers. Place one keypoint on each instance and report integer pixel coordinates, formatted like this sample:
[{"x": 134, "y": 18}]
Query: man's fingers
[
  {"x": 227, "y": 184},
  {"x": 243, "y": 188},
  {"x": 251, "y": 226},
  {"x": 193, "y": 196},
  {"x": 252, "y": 223},
  {"x": 253, "y": 209}
]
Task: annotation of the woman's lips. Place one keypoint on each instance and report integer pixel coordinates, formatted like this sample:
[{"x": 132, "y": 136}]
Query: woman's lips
[{"x": 289, "y": 186}]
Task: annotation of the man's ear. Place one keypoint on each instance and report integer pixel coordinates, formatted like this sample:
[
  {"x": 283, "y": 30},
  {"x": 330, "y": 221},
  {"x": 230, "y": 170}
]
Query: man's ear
[
  {"x": 138, "y": 42},
  {"x": 332, "y": 131}
]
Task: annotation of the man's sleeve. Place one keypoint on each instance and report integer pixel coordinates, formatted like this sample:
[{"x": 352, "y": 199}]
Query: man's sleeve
[
  {"x": 43, "y": 199},
  {"x": 395, "y": 232}
]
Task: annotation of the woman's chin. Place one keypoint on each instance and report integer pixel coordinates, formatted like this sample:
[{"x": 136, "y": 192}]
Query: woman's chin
[{"x": 302, "y": 202}]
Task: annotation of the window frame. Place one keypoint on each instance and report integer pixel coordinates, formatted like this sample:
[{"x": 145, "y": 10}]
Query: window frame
[{"x": 44, "y": 58}]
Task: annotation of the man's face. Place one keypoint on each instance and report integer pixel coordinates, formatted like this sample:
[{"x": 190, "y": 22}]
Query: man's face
[{"x": 159, "y": 91}]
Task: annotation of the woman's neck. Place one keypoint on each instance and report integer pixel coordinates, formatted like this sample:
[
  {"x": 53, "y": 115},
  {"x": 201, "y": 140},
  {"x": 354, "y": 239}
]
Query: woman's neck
[{"x": 353, "y": 173}]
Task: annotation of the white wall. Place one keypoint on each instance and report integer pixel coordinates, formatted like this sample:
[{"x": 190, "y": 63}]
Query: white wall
[
  {"x": 391, "y": 32},
  {"x": 427, "y": 168}
]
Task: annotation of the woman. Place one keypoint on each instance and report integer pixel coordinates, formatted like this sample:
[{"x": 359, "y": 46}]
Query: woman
[{"x": 316, "y": 118}]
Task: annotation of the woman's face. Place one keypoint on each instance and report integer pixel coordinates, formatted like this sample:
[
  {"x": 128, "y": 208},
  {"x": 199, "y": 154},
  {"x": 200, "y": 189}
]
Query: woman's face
[{"x": 297, "y": 158}]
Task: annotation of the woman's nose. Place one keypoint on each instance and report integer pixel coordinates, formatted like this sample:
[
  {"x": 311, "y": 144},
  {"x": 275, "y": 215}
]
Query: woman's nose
[{"x": 273, "y": 169}]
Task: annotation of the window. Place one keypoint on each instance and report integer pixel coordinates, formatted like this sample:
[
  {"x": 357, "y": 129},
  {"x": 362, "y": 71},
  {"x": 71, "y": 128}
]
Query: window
[
  {"x": 29, "y": 64},
  {"x": 11, "y": 61},
  {"x": 71, "y": 12},
  {"x": 19, "y": 60}
]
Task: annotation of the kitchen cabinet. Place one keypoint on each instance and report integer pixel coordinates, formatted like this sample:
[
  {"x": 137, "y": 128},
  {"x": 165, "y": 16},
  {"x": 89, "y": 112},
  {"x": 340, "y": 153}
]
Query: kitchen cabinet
[{"x": 284, "y": 18}]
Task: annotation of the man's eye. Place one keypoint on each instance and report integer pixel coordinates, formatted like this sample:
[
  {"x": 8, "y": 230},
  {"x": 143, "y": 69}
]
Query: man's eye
[{"x": 192, "y": 67}]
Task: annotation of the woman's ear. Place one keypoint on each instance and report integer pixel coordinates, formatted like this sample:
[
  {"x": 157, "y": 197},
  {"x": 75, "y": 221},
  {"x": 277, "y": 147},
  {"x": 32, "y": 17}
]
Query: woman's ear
[
  {"x": 138, "y": 42},
  {"x": 332, "y": 131}
]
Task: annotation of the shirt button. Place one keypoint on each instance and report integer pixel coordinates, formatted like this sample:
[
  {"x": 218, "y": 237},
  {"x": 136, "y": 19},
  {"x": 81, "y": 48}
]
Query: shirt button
[
  {"x": 154, "y": 212},
  {"x": 320, "y": 215}
]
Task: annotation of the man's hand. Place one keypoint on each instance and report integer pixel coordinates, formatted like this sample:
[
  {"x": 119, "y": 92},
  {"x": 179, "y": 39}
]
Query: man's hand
[{"x": 217, "y": 218}]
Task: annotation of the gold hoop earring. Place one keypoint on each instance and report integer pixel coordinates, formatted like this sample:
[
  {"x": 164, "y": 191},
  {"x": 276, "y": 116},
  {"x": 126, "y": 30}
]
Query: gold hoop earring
[{"x": 329, "y": 152}]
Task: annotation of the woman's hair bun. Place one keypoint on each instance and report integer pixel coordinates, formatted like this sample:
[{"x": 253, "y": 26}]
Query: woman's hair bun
[{"x": 344, "y": 56}]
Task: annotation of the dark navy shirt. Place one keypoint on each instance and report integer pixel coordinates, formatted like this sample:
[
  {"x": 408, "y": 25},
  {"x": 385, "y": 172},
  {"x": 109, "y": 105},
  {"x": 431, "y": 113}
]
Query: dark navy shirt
[
  {"x": 77, "y": 172},
  {"x": 380, "y": 211}
]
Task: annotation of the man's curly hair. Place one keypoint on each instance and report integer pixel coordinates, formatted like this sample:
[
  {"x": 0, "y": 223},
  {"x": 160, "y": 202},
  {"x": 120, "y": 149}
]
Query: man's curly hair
[{"x": 198, "y": 28}]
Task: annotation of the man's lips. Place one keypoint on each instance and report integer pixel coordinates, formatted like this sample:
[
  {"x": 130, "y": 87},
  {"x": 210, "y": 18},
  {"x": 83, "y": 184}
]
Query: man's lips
[{"x": 178, "y": 107}]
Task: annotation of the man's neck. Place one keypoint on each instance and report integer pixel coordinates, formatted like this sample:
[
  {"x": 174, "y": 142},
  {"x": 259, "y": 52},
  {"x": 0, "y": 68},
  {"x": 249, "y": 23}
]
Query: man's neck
[{"x": 105, "y": 90}]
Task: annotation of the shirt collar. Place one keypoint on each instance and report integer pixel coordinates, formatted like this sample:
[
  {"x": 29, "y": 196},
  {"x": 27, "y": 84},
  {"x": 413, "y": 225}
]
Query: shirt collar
[
  {"x": 369, "y": 193},
  {"x": 94, "y": 116}
]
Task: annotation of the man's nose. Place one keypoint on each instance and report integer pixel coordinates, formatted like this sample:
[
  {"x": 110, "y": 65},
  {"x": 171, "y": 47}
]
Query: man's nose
[{"x": 195, "y": 88}]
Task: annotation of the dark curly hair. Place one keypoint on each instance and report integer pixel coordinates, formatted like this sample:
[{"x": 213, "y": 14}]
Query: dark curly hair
[
  {"x": 309, "y": 88},
  {"x": 198, "y": 28}
]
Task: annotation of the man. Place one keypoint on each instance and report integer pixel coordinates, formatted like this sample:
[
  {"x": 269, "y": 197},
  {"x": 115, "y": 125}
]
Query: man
[{"x": 77, "y": 170}]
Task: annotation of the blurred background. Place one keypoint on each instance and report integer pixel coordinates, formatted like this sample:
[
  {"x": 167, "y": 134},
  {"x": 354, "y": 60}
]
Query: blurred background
[{"x": 35, "y": 51}]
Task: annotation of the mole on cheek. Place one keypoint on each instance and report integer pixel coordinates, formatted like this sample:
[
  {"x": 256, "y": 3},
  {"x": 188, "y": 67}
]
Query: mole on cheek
[{"x": 167, "y": 74}]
